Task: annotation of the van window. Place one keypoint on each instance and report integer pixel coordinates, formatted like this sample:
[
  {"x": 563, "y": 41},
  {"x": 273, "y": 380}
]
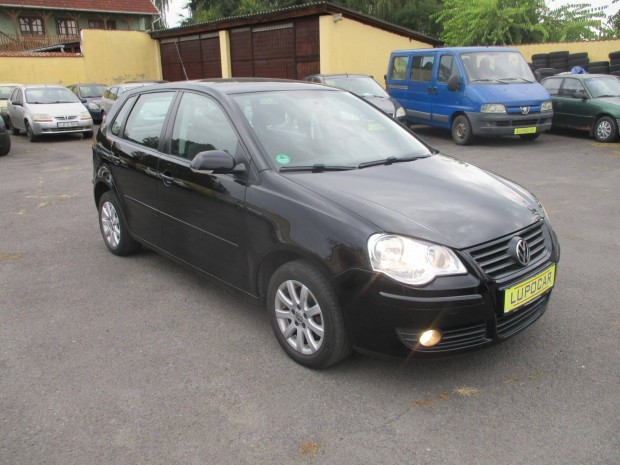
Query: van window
[
  {"x": 496, "y": 67},
  {"x": 399, "y": 68},
  {"x": 447, "y": 67},
  {"x": 422, "y": 68}
]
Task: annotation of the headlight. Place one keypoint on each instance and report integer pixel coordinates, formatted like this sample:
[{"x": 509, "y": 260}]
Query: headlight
[
  {"x": 85, "y": 115},
  {"x": 493, "y": 108},
  {"x": 411, "y": 261},
  {"x": 92, "y": 106},
  {"x": 40, "y": 117},
  {"x": 547, "y": 106},
  {"x": 400, "y": 112}
]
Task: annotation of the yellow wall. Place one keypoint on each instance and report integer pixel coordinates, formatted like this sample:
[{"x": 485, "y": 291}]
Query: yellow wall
[
  {"x": 108, "y": 57},
  {"x": 348, "y": 46},
  {"x": 598, "y": 50}
]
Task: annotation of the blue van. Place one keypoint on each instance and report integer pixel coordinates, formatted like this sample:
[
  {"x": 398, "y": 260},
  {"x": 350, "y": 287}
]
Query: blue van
[{"x": 473, "y": 91}]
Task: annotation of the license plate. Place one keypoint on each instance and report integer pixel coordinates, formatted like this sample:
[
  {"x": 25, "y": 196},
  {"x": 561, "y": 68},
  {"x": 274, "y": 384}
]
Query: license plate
[
  {"x": 528, "y": 290},
  {"x": 68, "y": 124},
  {"x": 525, "y": 131}
]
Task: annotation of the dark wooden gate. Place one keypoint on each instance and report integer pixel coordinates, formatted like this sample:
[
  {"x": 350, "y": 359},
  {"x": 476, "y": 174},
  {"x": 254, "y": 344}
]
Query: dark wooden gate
[{"x": 191, "y": 57}]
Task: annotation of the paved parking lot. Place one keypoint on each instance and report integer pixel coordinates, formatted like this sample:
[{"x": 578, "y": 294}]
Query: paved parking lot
[{"x": 108, "y": 360}]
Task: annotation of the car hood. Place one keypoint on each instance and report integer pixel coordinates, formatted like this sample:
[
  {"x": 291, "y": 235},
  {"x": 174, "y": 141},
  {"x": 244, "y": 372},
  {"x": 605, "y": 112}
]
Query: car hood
[
  {"x": 511, "y": 94},
  {"x": 57, "y": 109},
  {"x": 438, "y": 199},
  {"x": 615, "y": 101},
  {"x": 384, "y": 104}
]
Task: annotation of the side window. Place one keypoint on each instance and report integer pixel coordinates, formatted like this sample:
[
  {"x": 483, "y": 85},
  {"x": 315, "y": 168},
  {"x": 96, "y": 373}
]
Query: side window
[
  {"x": 112, "y": 93},
  {"x": 147, "y": 117},
  {"x": 398, "y": 71},
  {"x": 121, "y": 116},
  {"x": 201, "y": 125},
  {"x": 422, "y": 68},
  {"x": 570, "y": 87},
  {"x": 447, "y": 67},
  {"x": 552, "y": 85}
]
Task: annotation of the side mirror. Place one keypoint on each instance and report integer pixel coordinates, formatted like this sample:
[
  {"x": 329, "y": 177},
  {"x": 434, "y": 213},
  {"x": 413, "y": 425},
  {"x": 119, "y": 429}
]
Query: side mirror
[
  {"x": 454, "y": 82},
  {"x": 215, "y": 162},
  {"x": 580, "y": 94}
]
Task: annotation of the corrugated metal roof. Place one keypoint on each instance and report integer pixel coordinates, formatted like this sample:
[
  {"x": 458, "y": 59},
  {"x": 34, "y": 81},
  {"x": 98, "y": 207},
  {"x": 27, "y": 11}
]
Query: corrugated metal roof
[{"x": 112, "y": 6}]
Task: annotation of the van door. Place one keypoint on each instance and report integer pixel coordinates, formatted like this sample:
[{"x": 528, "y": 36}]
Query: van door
[
  {"x": 446, "y": 102},
  {"x": 413, "y": 90}
]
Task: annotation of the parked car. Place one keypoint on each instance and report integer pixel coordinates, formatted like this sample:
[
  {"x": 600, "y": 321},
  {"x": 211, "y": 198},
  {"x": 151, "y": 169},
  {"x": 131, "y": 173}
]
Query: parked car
[
  {"x": 353, "y": 231},
  {"x": 42, "y": 110},
  {"x": 5, "y": 92},
  {"x": 5, "y": 141},
  {"x": 363, "y": 86},
  {"x": 586, "y": 102},
  {"x": 90, "y": 96},
  {"x": 111, "y": 93},
  {"x": 472, "y": 91}
]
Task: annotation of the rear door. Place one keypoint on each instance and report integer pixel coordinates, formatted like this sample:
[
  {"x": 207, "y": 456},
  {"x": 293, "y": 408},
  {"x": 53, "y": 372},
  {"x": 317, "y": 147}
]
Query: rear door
[
  {"x": 202, "y": 214},
  {"x": 573, "y": 110},
  {"x": 414, "y": 89}
]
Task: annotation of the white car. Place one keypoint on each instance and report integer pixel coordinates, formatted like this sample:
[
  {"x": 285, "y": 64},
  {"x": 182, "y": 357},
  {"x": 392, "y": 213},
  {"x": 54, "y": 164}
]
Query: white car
[{"x": 41, "y": 110}]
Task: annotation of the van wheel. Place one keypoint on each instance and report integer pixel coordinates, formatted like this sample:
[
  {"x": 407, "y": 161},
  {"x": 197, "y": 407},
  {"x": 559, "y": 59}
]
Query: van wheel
[
  {"x": 461, "y": 130},
  {"x": 529, "y": 136},
  {"x": 605, "y": 129},
  {"x": 305, "y": 316}
]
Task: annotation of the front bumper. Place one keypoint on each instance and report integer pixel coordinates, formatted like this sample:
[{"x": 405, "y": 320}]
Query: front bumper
[
  {"x": 385, "y": 317},
  {"x": 505, "y": 124},
  {"x": 57, "y": 127}
]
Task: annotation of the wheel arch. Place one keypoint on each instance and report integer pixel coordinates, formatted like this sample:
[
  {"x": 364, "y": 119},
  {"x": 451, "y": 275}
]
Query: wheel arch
[{"x": 597, "y": 117}]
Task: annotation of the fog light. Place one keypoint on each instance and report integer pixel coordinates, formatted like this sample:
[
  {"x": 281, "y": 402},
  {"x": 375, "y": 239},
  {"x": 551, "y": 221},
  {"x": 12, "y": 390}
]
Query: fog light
[{"x": 430, "y": 337}]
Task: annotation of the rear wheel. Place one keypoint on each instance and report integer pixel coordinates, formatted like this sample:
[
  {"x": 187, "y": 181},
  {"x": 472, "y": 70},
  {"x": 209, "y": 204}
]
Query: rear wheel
[
  {"x": 305, "y": 316},
  {"x": 113, "y": 227},
  {"x": 461, "y": 130},
  {"x": 605, "y": 129}
]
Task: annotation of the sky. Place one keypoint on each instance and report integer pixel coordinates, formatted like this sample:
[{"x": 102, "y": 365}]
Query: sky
[{"x": 177, "y": 8}]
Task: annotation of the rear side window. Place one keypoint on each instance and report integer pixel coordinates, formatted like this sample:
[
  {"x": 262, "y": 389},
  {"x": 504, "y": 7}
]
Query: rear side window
[
  {"x": 571, "y": 87},
  {"x": 146, "y": 119},
  {"x": 121, "y": 117},
  {"x": 399, "y": 68},
  {"x": 422, "y": 68},
  {"x": 552, "y": 85}
]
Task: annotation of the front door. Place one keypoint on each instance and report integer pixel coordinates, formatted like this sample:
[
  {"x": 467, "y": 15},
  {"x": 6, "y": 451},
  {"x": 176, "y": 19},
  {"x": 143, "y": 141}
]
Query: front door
[{"x": 202, "y": 214}]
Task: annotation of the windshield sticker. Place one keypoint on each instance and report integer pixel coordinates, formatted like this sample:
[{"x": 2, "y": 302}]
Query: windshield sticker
[{"x": 283, "y": 159}]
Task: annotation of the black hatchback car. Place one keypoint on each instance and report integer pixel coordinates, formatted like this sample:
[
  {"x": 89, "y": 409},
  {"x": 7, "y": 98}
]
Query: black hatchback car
[{"x": 355, "y": 234}]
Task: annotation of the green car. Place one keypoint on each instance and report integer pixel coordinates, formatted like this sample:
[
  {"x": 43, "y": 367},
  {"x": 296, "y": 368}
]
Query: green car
[{"x": 586, "y": 102}]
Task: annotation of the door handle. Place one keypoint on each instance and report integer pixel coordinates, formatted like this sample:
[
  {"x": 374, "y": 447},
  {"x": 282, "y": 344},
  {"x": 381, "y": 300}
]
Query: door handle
[
  {"x": 167, "y": 178},
  {"x": 431, "y": 90}
]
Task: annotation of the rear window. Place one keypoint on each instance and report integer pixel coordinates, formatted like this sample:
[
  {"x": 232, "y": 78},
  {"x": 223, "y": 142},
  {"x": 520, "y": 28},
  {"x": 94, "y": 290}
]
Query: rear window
[{"x": 399, "y": 68}]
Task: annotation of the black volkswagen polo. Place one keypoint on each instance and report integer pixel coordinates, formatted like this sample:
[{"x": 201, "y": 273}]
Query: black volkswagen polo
[{"x": 353, "y": 232}]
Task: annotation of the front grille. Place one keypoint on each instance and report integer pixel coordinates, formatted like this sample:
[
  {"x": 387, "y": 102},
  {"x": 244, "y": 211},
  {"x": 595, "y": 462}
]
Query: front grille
[
  {"x": 525, "y": 122},
  {"x": 514, "y": 322},
  {"x": 494, "y": 258},
  {"x": 453, "y": 339},
  {"x": 65, "y": 118}
]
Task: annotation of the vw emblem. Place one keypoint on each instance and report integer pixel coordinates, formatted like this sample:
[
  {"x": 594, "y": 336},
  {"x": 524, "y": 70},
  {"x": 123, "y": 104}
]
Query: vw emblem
[
  {"x": 523, "y": 252},
  {"x": 525, "y": 110}
]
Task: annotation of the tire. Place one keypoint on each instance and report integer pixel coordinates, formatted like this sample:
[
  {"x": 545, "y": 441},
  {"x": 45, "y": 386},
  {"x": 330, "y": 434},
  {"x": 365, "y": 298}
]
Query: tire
[
  {"x": 573, "y": 56},
  {"x": 461, "y": 131},
  {"x": 14, "y": 130},
  {"x": 598, "y": 69},
  {"x": 113, "y": 228},
  {"x": 306, "y": 317},
  {"x": 529, "y": 136},
  {"x": 614, "y": 55},
  {"x": 30, "y": 133},
  {"x": 605, "y": 129},
  {"x": 540, "y": 56},
  {"x": 599, "y": 63},
  {"x": 88, "y": 135},
  {"x": 583, "y": 62},
  {"x": 6, "y": 149},
  {"x": 558, "y": 54},
  {"x": 614, "y": 68},
  {"x": 546, "y": 72}
]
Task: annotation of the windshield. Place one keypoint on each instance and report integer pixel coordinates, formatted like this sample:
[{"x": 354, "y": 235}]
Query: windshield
[
  {"x": 362, "y": 86},
  {"x": 5, "y": 92},
  {"x": 324, "y": 128},
  {"x": 91, "y": 91},
  {"x": 496, "y": 67},
  {"x": 604, "y": 87},
  {"x": 50, "y": 95}
]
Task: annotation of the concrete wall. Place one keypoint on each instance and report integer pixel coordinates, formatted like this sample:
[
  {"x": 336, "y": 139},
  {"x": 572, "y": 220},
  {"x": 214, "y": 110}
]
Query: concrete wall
[
  {"x": 108, "y": 57},
  {"x": 598, "y": 50},
  {"x": 348, "y": 46}
]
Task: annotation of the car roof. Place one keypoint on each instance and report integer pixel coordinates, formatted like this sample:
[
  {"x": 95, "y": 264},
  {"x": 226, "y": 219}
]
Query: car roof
[
  {"x": 245, "y": 85},
  {"x": 14, "y": 84},
  {"x": 583, "y": 77},
  {"x": 342, "y": 75},
  {"x": 42, "y": 86},
  {"x": 458, "y": 49}
]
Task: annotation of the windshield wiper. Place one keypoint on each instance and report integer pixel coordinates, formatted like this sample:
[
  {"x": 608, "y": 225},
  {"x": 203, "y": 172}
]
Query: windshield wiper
[
  {"x": 389, "y": 161},
  {"x": 604, "y": 96},
  {"x": 514, "y": 79},
  {"x": 316, "y": 168}
]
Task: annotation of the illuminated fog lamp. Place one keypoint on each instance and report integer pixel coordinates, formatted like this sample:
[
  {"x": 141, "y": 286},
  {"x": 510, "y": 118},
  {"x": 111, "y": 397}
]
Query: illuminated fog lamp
[{"x": 430, "y": 337}]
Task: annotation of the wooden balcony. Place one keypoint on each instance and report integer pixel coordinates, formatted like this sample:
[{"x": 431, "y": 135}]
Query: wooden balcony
[{"x": 38, "y": 43}]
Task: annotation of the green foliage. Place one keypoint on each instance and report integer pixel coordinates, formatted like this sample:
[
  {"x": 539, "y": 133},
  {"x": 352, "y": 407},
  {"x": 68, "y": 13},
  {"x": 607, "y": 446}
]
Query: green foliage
[{"x": 574, "y": 22}]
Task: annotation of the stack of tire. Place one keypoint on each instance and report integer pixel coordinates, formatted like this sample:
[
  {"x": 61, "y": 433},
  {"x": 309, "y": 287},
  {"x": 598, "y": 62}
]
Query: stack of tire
[
  {"x": 540, "y": 66},
  {"x": 598, "y": 67},
  {"x": 558, "y": 60},
  {"x": 614, "y": 63},
  {"x": 579, "y": 59}
]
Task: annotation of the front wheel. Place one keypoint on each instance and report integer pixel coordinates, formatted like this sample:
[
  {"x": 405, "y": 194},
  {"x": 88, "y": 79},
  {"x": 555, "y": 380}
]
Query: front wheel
[
  {"x": 30, "y": 133},
  {"x": 88, "y": 135},
  {"x": 113, "y": 227},
  {"x": 529, "y": 136},
  {"x": 305, "y": 316},
  {"x": 14, "y": 130},
  {"x": 461, "y": 130},
  {"x": 605, "y": 129}
]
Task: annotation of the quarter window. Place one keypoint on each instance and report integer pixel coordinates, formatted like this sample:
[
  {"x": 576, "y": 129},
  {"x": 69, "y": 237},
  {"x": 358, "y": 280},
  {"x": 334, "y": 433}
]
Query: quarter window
[
  {"x": 201, "y": 125},
  {"x": 121, "y": 117},
  {"x": 147, "y": 117}
]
